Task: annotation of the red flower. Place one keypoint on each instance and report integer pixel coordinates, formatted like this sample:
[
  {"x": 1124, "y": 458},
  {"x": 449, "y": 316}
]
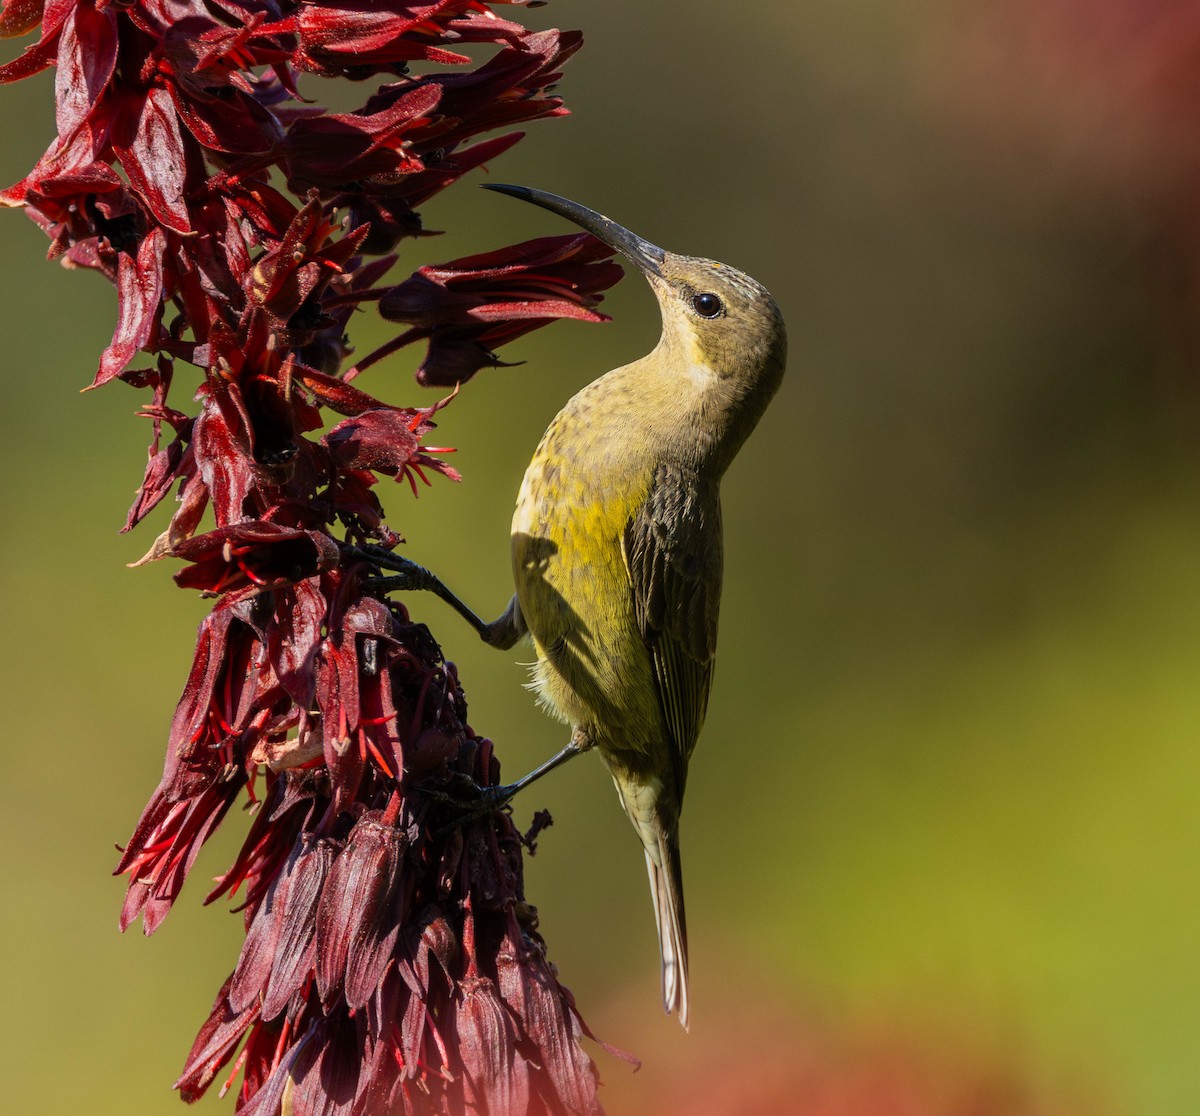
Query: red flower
[
  {"x": 391, "y": 962},
  {"x": 387, "y": 970},
  {"x": 513, "y": 87},
  {"x": 255, "y": 553},
  {"x": 387, "y": 440},
  {"x": 468, "y": 307},
  {"x": 367, "y": 148}
]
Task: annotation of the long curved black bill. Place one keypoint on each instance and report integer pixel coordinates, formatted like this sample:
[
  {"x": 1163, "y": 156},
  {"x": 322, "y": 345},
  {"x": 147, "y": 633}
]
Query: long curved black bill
[{"x": 647, "y": 256}]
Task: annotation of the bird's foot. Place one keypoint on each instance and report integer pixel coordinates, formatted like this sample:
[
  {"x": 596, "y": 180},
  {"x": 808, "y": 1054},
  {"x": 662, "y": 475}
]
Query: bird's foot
[
  {"x": 405, "y": 575},
  {"x": 474, "y": 802},
  {"x": 401, "y": 583}
]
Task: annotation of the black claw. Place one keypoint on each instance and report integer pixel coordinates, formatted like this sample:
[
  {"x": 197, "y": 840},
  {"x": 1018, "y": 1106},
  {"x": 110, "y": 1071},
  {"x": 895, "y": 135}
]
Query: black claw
[
  {"x": 387, "y": 560},
  {"x": 394, "y": 583},
  {"x": 478, "y": 802},
  {"x": 499, "y": 797}
]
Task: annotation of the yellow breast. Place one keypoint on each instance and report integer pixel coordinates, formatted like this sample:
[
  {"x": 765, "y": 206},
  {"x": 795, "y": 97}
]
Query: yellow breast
[{"x": 572, "y": 583}]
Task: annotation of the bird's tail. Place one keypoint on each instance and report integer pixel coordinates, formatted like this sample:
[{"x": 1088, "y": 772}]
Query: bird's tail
[{"x": 666, "y": 889}]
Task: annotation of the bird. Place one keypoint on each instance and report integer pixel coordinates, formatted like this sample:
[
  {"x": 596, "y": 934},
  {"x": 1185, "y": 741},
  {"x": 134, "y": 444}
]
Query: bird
[{"x": 617, "y": 546}]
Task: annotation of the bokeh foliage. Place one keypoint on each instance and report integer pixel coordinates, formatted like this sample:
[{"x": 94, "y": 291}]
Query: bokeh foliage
[{"x": 949, "y": 780}]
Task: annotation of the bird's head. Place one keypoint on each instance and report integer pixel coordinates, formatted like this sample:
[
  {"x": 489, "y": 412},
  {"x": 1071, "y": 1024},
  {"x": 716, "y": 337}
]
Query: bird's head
[
  {"x": 720, "y": 327},
  {"x": 721, "y": 319}
]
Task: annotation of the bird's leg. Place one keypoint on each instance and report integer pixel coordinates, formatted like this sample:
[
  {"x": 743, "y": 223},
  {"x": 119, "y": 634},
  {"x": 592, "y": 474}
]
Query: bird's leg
[
  {"x": 577, "y": 745},
  {"x": 493, "y": 798},
  {"x": 408, "y": 576}
]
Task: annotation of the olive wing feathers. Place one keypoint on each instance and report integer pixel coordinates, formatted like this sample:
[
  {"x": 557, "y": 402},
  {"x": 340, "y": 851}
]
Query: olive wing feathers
[{"x": 672, "y": 550}]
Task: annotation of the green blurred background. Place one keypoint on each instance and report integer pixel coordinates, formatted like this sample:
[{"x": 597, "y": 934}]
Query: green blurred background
[{"x": 947, "y": 797}]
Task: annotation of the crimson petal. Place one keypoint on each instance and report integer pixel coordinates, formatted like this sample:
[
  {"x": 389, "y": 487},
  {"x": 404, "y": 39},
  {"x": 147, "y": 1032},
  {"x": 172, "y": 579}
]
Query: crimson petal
[{"x": 139, "y": 290}]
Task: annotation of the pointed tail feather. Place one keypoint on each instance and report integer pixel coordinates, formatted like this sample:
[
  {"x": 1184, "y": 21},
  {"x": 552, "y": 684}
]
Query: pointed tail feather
[{"x": 666, "y": 889}]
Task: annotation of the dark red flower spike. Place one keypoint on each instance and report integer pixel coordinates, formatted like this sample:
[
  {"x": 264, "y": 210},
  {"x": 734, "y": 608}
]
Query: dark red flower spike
[{"x": 391, "y": 962}]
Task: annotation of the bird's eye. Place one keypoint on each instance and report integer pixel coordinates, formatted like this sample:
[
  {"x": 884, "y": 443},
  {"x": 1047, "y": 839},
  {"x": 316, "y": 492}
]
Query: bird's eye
[{"x": 707, "y": 305}]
